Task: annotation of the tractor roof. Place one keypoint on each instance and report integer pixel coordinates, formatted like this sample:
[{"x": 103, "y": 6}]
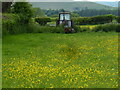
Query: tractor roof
[{"x": 64, "y": 13}]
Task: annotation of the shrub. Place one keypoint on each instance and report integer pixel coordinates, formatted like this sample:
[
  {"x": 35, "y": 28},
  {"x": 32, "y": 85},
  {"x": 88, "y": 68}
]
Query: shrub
[
  {"x": 82, "y": 20},
  {"x": 101, "y": 19},
  {"x": 118, "y": 19},
  {"x": 118, "y": 28},
  {"x": 99, "y": 28},
  {"x": 54, "y": 19},
  {"x": 11, "y": 24},
  {"x": 81, "y": 29},
  {"x": 107, "y": 27},
  {"x": 42, "y": 20}
]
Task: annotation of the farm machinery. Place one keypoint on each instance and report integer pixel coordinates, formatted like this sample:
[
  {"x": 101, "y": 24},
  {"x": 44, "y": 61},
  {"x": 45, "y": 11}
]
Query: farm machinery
[{"x": 66, "y": 22}]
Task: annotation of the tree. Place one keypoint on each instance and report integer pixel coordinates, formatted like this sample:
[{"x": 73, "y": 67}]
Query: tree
[
  {"x": 75, "y": 14},
  {"x": 38, "y": 12},
  {"x": 6, "y": 6},
  {"x": 24, "y": 10},
  {"x": 76, "y": 9}
]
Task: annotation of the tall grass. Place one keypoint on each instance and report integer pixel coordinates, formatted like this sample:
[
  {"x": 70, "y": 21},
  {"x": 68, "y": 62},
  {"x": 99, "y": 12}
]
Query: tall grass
[{"x": 34, "y": 27}]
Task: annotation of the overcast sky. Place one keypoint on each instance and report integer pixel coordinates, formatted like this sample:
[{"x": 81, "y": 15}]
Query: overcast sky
[
  {"x": 97, "y": 0},
  {"x": 51, "y": 0},
  {"x": 67, "y": 0}
]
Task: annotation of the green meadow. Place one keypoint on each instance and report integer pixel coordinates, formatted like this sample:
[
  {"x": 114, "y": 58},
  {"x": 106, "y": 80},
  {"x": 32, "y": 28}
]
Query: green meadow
[{"x": 49, "y": 60}]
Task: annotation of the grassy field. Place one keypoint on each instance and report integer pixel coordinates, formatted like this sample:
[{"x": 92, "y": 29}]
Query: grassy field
[{"x": 80, "y": 60}]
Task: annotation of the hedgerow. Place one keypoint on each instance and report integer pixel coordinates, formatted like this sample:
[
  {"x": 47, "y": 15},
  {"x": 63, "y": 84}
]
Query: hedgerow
[
  {"x": 101, "y": 19},
  {"x": 42, "y": 20}
]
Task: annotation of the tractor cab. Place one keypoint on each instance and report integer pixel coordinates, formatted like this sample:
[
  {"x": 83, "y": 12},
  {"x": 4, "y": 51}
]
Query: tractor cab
[{"x": 65, "y": 20}]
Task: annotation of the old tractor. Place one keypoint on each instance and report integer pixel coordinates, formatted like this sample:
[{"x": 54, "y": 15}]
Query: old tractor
[{"x": 66, "y": 22}]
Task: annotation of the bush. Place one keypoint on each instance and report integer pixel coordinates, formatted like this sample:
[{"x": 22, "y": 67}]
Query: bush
[
  {"x": 54, "y": 19},
  {"x": 101, "y": 19},
  {"x": 99, "y": 28},
  {"x": 81, "y": 29},
  {"x": 107, "y": 28},
  {"x": 118, "y": 19},
  {"x": 42, "y": 20},
  {"x": 82, "y": 20},
  {"x": 118, "y": 28},
  {"x": 11, "y": 24}
]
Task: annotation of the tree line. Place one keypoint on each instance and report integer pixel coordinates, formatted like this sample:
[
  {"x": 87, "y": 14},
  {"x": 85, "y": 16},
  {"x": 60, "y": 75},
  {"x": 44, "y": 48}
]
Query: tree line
[
  {"x": 82, "y": 13},
  {"x": 94, "y": 12}
]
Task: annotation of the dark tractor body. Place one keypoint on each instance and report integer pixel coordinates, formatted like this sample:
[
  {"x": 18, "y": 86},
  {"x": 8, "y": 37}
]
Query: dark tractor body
[{"x": 66, "y": 22}]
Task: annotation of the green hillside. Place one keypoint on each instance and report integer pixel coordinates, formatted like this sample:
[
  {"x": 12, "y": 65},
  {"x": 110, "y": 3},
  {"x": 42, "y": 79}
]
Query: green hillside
[{"x": 70, "y": 5}]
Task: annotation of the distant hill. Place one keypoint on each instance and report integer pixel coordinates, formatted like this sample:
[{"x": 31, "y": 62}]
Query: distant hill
[
  {"x": 70, "y": 5},
  {"x": 113, "y": 4}
]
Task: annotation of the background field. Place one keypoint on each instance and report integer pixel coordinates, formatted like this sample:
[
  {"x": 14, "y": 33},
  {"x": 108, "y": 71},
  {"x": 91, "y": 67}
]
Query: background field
[{"x": 80, "y": 60}]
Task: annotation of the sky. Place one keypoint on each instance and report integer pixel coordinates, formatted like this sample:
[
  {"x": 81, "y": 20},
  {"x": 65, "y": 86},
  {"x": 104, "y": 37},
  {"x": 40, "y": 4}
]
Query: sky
[
  {"x": 67, "y": 0},
  {"x": 98, "y": 0},
  {"x": 51, "y": 0}
]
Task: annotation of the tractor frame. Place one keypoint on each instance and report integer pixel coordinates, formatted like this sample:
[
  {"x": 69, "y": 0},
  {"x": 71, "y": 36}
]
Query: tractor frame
[{"x": 66, "y": 22}]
